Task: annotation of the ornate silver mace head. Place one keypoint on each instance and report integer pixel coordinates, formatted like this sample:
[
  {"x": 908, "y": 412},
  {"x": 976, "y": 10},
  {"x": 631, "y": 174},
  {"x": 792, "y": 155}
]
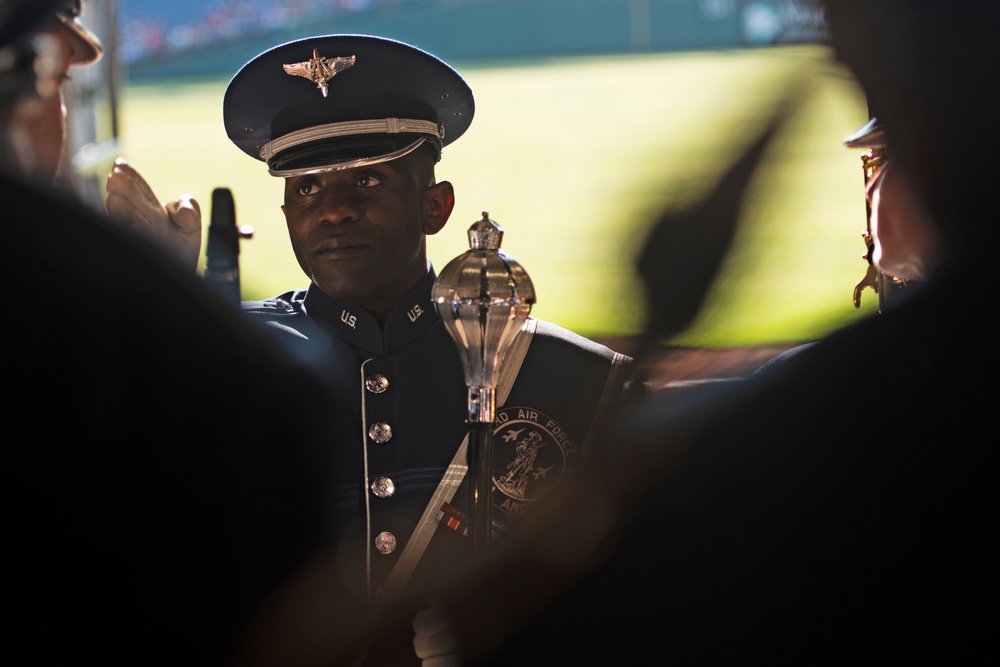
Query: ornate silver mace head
[{"x": 483, "y": 296}]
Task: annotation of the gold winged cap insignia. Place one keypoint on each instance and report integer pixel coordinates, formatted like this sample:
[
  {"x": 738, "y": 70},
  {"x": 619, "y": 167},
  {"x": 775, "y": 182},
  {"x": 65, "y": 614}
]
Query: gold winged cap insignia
[{"x": 320, "y": 70}]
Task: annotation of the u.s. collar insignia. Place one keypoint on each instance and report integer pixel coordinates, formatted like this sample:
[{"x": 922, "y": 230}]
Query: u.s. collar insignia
[
  {"x": 320, "y": 70},
  {"x": 531, "y": 455}
]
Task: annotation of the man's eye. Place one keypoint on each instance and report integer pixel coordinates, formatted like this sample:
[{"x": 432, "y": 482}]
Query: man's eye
[
  {"x": 367, "y": 181},
  {"x": 306, "y": 188}
]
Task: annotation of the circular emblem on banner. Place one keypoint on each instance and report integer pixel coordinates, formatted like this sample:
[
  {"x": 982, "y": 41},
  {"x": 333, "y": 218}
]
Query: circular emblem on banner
[{"x": 531, "y": 455}]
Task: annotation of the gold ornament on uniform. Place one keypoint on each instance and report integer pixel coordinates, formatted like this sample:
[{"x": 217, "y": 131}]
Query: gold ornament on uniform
[
  {"x": 888, "y": 288},
  {"x": 320, "y": 70}
]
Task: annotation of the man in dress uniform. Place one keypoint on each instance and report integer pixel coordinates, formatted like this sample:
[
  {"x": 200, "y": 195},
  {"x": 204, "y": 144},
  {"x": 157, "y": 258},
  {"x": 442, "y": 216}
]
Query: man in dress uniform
[
  {"x": 904, "y": 246},
  {"x": 355, "y": 125},
  {"x": 159, "y": 484}
]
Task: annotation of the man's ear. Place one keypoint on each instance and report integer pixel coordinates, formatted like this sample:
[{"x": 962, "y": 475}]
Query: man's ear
[{"x": 439, "y": 200}]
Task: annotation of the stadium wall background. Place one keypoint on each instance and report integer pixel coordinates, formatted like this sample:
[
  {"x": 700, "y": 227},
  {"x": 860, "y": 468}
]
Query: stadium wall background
[{"x": 502, "y": 29}]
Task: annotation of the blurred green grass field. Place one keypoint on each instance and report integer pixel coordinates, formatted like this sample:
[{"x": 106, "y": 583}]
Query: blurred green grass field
[{"x": 575, "y": 158}]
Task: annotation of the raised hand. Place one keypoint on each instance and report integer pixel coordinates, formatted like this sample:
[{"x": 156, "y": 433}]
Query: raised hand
[{"x": 176, "y": 224}]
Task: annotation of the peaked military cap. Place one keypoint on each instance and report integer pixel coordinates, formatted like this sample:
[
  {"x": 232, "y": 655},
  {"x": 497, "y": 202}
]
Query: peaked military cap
[
  {"x": 869, "y": 135},
  {"x": 341, "y": 101},
  {"x": 87, "y": 47},
  {"x": 19, "y": 18}
]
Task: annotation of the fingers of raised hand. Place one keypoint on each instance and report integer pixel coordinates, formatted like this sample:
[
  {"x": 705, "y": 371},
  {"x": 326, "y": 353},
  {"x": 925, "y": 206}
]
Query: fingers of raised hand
[
  {"x": 132, "y": 202},
  {"x": 177, "y": 224},
  {"x": 185, "y": 228},
  {"x": 185, "y": 213}
]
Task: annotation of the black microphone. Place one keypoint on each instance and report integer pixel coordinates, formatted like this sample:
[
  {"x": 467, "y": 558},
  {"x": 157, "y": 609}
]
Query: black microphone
[{"x": 222, "y": 251}]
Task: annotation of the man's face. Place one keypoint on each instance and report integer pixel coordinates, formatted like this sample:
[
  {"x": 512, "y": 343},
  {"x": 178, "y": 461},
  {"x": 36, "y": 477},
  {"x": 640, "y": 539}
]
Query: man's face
[
  {"x": 907, "y": 244},
  {"x": 39, "y": 126},
  {"x": 359, "y": 234}
]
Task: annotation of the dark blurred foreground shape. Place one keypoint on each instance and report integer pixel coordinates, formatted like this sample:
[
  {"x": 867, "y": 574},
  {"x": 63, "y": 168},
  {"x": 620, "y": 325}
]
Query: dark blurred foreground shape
[
  {"x": 162, "y": 481},
  {"x": 678, "y": 265},
  {"x": 840, "y": 508},
  {"x": 684, "y": 250}
]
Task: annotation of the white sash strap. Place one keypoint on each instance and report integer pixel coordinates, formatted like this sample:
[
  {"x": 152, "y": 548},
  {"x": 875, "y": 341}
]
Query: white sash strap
[{"x": 620, "y": 365}]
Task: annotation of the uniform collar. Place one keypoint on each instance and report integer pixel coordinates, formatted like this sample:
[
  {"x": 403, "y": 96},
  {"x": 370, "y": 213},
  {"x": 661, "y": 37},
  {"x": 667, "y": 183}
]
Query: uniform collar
[{"x": 411, "y": 317}]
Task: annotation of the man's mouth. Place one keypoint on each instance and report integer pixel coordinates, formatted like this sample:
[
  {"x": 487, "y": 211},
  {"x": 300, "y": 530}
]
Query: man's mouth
[{"x": 340, "y": 247}]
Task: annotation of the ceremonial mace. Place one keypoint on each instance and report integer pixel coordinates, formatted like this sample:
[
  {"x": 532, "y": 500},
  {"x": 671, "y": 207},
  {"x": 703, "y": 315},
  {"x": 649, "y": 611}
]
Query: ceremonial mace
[{"x": 483, "y": 296}]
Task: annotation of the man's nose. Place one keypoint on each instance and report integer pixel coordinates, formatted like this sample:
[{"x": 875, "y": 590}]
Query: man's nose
[{"x": 340, "y": 204}]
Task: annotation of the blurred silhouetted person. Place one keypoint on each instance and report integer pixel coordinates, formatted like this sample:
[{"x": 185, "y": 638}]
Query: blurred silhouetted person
[
  {"x": 839, "y": 508},
  {"x": 162, "y": 480}
]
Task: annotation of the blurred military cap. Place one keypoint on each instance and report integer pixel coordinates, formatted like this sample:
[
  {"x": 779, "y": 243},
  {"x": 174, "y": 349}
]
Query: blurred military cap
[
  {"x": 341, "y": 101},
  {"x": 87, "y": 47},
  {"x": 868, "y": 135}
]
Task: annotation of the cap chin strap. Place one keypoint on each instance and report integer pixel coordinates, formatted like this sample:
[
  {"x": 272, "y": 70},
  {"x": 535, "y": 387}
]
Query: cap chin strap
[
  {"x": 349, "y": 129},
  {"x": 350, "y": 164}
]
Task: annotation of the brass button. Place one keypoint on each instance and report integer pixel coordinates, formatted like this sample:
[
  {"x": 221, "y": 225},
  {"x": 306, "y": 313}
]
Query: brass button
[
  {"x": 385, "y": 542},
  {"x": 383, "y": 487},
  {"x": 376, "y": 383},
  {"x": 380, "y": 432}
]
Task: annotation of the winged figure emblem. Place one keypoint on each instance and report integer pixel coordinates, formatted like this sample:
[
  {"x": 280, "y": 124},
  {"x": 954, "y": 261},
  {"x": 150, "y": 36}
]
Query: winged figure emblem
[{"x": 320, "y": 70}]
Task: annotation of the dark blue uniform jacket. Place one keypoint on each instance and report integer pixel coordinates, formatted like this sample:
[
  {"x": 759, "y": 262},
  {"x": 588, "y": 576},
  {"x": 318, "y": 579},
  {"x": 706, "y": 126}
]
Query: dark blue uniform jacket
[{"x": 402, "y": 385}]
